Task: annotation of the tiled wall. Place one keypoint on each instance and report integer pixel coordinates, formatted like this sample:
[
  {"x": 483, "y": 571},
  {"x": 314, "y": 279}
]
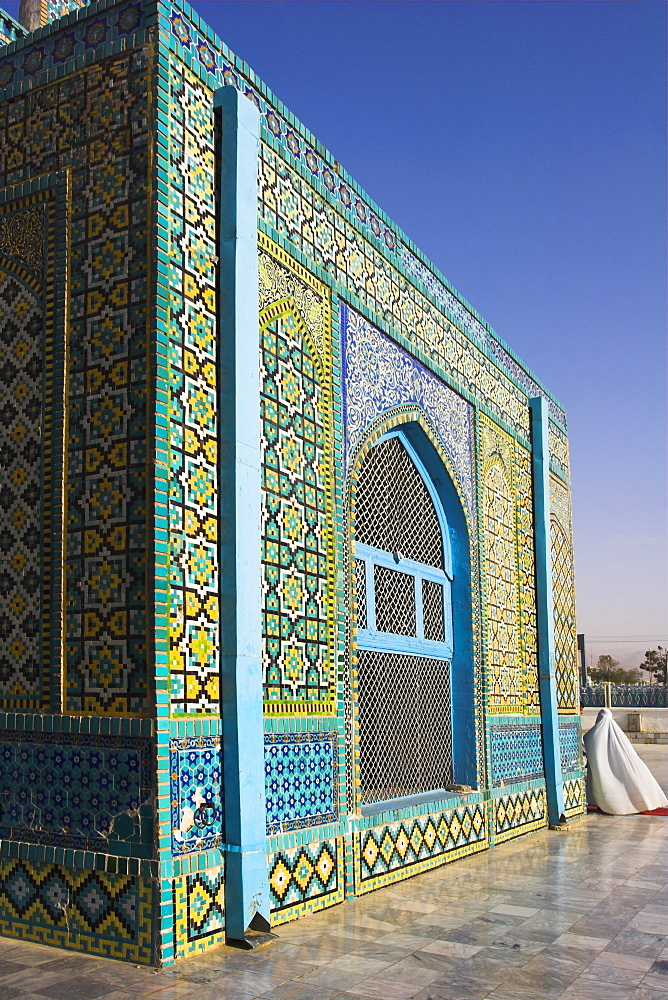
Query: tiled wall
[
  {"x": 563, "y": 588},
  {"x": 306, "y": 878},
  {"x": 329, "y": 244},
  {"x": 301, "y": 779},
  {"x": 298, "y": 504},
  {"x": 518, "y": 813},
  {"x": 77, "y": 796},
  {"x": 105, "y": 161},
  {"x": 78, "y": 790},
  {"x": 506, "y": 530},
  {"x": 393, "y": 851},
  {"x": 90, "y": 911},
  {"x": 357, "y": 333}
]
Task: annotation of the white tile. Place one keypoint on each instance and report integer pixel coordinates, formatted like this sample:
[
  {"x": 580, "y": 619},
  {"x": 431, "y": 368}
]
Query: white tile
[
  {"x": 453, "y": 949},
  {"x": 580, "y": 941},
  {"x": 515, "y": 911},
  {"x": 415, "y": 906}
]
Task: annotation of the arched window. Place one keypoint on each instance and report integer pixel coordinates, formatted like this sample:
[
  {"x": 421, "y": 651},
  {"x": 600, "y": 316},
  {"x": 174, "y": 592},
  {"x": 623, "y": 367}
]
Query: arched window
[{"x": 403, "y": 572}]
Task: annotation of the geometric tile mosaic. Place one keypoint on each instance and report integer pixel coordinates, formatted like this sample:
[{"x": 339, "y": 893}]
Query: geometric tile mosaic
[
  {"x": 558, "y": 444},
  {"x": 518, "y": 814},
  {"x": 520, "y": 375},
  {"x": 501, "y": 575},
  {"x": 305, "y": 879},
  {"x": 103, "y": 26},
  {"x": 570, "y": 744},
  {"x": 301, "y": 779},
  {"x": 43, "y": 131},
  {"x": 566, "y": 671},
  {"x": 527, "y": 577},
  {"x": 378, "y": 375},
  {"x": 94, "y": 122},
  {"x": 31, "y": 430},
  {"x": 298, "y": 623},
  {"x": 190, "y": 439},
  {"x": 21, "y": 445},
  {"x": 32, "y": 229},
  {"x": 227, "y": 70},
  {"x": 79, "y": 791},
  {"x": 517, "y": 753},
  {"x": 385, "y": 854},
  {"x": 106, "y": 656},
  {"x": 508, "y": 571},
  {"x": 304, "y": 216},
  {"x": 103, "y": 914},
  {"x": 195, "y": 772},
  {"x": 574, "y": 796},
  {"x": 199, "y": 911},
  {"x": 53, "y": 9}
]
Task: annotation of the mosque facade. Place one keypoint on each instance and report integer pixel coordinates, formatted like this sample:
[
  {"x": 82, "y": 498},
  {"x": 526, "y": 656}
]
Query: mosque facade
[{"x": 287, "y": 588}]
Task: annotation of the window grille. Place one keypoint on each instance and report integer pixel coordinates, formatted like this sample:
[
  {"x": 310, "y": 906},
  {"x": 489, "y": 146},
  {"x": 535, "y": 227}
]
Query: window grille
[
  {"x": 360, "y": 577},
  {"x": 404, "y": 725},
  {"x": 404, "y": 631},
  {"x": 394, "y": 509},
  {"x": 432, "y": 610},
  {"x": 395, "y": 601}
]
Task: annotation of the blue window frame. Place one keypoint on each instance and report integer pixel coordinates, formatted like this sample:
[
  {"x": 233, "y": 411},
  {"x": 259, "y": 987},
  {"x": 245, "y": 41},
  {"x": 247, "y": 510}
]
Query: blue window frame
[
  {"x": 405, "y": 605},
  {"x": 405, "y": 644},
  {"x": 419, "y": 638}
]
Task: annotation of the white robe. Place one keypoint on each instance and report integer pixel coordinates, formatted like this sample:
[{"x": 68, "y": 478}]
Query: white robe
[{"x": 618, "y": 781}]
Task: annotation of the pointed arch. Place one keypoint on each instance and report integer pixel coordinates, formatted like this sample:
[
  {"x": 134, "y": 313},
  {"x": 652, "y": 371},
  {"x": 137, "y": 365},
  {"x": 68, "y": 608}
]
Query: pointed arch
[
  {"x": 403, "y": 657},
  {"x": 296, "y": 453}
]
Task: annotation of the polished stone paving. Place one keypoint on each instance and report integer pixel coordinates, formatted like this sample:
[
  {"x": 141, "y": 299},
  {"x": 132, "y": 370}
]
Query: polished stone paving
[{"x": 581, "y": 915}]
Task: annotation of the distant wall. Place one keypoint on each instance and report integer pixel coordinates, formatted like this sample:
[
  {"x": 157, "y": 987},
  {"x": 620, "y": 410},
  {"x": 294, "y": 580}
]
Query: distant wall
[
  {"x": 654, "y": 720},
  {"x": 625, "y": 696}
]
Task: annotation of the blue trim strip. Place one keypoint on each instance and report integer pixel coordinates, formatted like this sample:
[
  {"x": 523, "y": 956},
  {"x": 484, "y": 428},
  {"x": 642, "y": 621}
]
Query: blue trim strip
[
  {"x": 246, "y": 880},
  {"x": 383, "y": 558},
  {"x": 419, "y": 610},
  {"x": 371, "y": 638},
  {"x": 370, "y": 595},
  {"x": 390, "y": 642},
  {"x": 545, "y": 608}
]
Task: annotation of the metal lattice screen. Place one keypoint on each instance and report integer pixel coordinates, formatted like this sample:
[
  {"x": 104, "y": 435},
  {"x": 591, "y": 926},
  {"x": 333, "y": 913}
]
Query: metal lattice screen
[
  {"x": 393, "y": 508},
  {"x": 404, "y": 700},
  {"x": 404, "y": 725},
  {"x": 432, "y": 609},
  {"x": 395, "y": 601},
  {"x": 360, "y": 585}
]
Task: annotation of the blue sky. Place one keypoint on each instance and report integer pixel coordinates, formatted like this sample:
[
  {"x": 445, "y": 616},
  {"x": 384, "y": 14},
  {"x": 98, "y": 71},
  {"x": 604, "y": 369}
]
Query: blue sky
[{"x": 521, "y": 145}]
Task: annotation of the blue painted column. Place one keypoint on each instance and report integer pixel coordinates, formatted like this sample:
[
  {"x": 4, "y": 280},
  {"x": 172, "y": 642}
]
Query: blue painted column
[
  {"x": 247, "y": 907},
  {"x": 545, "y": 608}
]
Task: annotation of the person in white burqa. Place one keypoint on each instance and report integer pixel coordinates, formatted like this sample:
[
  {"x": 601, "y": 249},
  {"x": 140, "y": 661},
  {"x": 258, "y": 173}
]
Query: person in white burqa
[{"x": 618, "y": 781}]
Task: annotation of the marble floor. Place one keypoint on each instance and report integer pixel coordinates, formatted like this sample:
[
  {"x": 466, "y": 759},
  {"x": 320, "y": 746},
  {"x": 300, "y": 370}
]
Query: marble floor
[{"x": 581, "y": 915}]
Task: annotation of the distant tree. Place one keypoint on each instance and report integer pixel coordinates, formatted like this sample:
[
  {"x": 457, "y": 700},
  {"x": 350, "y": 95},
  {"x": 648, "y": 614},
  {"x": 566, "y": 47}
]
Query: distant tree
[
  {"x": 606, "y": 664},
  {"x": 616, "y": 675},
  {"x": 656, "y": 664}
]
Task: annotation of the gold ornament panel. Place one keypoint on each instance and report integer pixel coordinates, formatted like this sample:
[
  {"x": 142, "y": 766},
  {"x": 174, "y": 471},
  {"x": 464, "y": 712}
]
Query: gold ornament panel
[
  {"x": 298, "y": 617},
  {"x": 563, "y": 595},
  {"x": 527, "y": 579},
  {"x": 509, "y": 606}
]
